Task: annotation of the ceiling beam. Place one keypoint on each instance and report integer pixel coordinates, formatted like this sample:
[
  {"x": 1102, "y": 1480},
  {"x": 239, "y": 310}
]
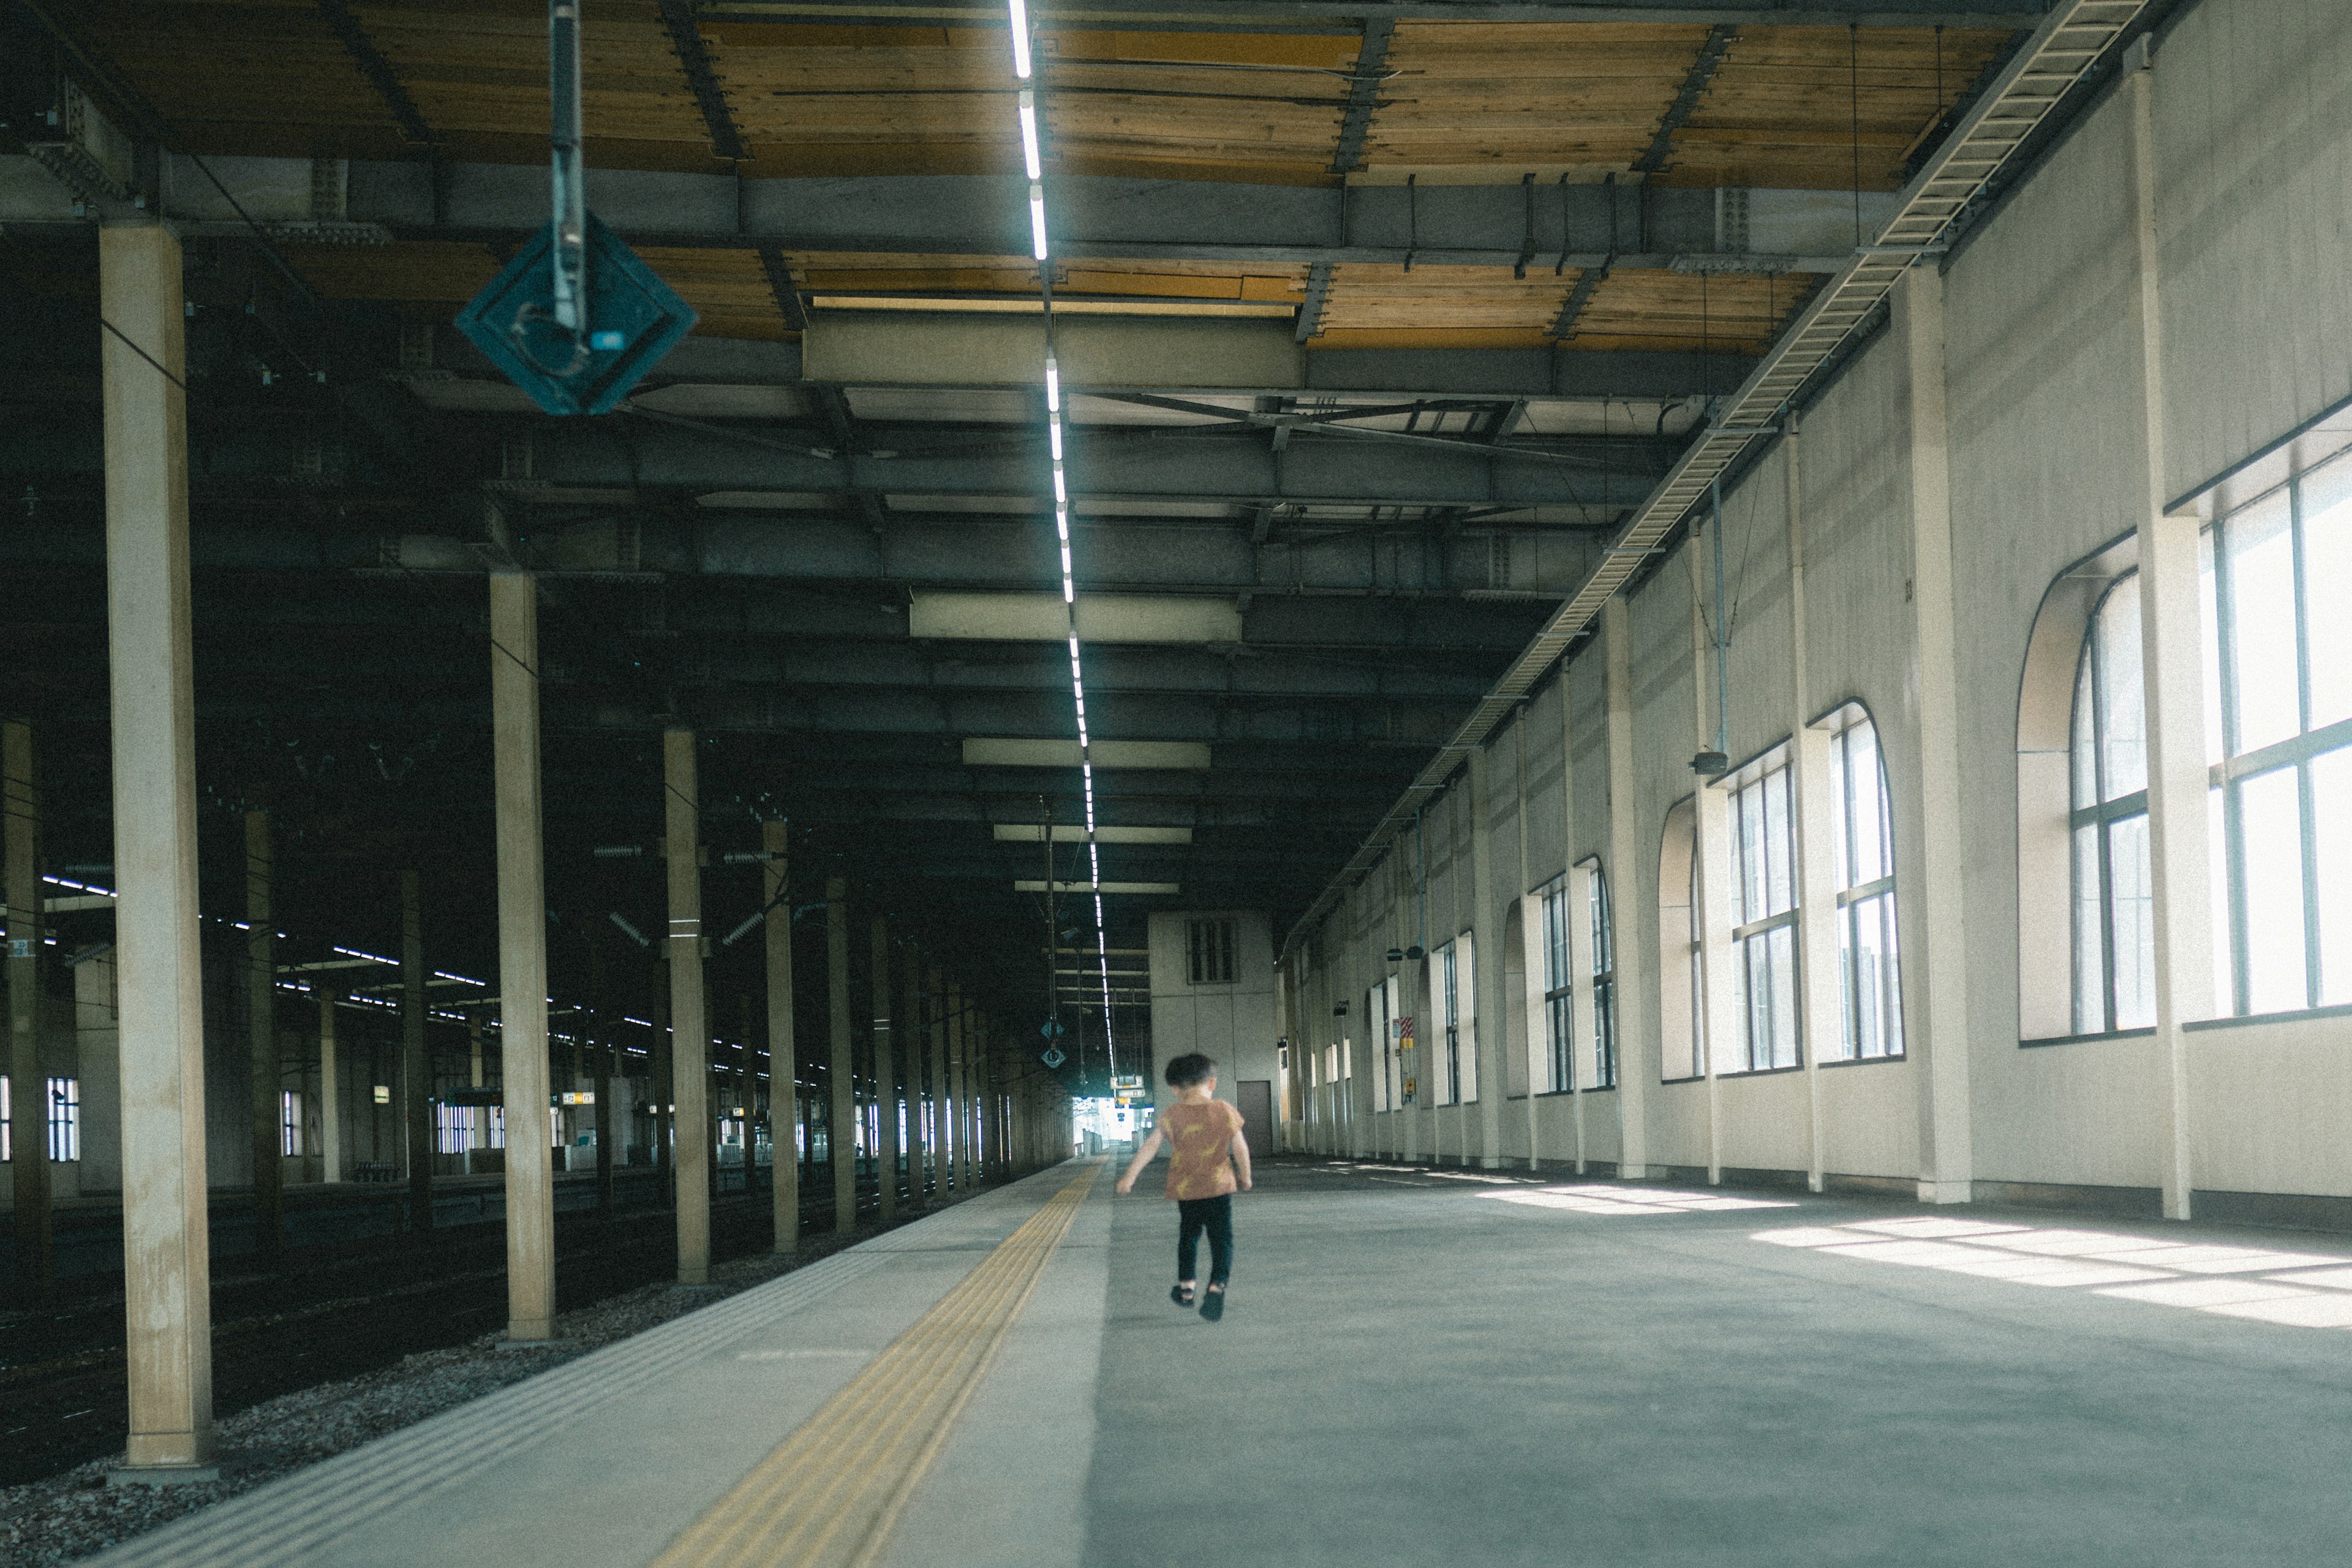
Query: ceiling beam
[
  {"x": 694, "y": 60},
  {"x": 378, "y": 71},
  {"x": 1260, "y": 15},
  {"x": 1096, "y": 216}
]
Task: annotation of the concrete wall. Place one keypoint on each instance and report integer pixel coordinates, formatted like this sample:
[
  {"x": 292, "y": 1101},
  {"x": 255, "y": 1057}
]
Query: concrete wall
[
  {"x": 1239, "y": 1025},
  {"x": 2251, "y": 106}
]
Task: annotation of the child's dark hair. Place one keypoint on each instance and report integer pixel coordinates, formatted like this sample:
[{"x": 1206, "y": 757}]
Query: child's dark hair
[{"x": 1189, "y": 1069}]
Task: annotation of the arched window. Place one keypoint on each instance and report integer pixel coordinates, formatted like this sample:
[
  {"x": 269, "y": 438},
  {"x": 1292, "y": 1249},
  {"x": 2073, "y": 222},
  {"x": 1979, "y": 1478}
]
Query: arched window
[
  {"x": 2115, "y": 897},
  {"x": 1870, "y": 985}
]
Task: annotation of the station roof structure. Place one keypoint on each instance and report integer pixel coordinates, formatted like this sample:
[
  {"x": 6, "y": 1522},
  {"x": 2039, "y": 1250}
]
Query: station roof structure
[{"x": 1376, "y": 320}]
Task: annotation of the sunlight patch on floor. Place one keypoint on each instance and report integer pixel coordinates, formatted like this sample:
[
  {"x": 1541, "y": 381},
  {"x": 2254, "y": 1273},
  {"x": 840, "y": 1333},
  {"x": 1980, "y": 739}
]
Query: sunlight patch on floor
[
  {"x": 2134, "y": 1268},
  {"x": 1599, "y": 1199}
]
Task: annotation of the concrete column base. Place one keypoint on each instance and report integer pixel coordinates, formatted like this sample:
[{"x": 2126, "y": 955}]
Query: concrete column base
[
  {"x": 1935, "y": 1191},
  {"x": 162, "y": 1475}
]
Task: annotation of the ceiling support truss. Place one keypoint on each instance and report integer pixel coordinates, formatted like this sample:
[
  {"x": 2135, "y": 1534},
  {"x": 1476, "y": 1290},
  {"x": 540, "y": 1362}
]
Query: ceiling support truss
[
  {"x": 2071, "y": 40},
  {"x": 378, "y": 71}
]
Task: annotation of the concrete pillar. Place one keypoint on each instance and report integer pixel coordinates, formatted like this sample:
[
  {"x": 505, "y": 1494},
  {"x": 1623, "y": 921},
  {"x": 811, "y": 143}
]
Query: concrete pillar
[
  {"x": 261, "y": 1018},
  {"x": 330, "y": 1087},
  {"x": 921, "y": 1143},
  {"x": 841, "y": 1096},
  {"x": 662, "y": 1083},
  {"x": 1718, "y": 1023},
  {"x": 783, "y": 1057},
  {"x": 960, "y": 1088},
  {"x": 1637, "y": 960},
  {"x": 1579, "y": 933},
  {"x": 28, "y": 1099},
  {"x": 942, "y": 1127},
  {"x": 1531, "y": 952},
  {"x": 886, "y": 1078},
  {"x": 522, "y": 956},
  {"x": 417, "y": 1061},
  {"x": 972, "y": 1089},
  {"x": 690, "y": 1026},
  {"x": 166, "y": 1259},
  {"x": 601, "y": 1051},
  {"x": 1936, "y": 1023},
  {"x": 1490, "y": 1015},
  {"x": 1819, "y": 957},
  {"x": 1583, "y": 1007},
  {"x": 2171, "y": 653}
]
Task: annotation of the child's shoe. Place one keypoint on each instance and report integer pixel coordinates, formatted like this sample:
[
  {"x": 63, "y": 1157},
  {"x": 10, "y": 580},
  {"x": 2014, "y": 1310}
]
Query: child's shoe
[{"x": 1212, "y": 1304}]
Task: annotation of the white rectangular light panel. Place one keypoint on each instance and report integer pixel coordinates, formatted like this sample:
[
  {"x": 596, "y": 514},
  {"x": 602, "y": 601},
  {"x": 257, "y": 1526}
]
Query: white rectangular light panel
[
  {"x": 1071, "y": 832},
  {"x": 1005, "y": 752}
]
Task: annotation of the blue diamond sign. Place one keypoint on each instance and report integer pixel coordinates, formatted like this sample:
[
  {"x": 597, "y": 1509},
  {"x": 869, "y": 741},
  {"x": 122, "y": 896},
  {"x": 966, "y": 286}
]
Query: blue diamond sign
[{"x": 633, "y": 319}]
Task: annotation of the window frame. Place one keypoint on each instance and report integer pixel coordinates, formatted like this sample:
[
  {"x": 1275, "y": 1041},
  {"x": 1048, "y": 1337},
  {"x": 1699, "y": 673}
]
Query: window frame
[
  {"x": 2102, "y": 815},
  {"x": 1850, "y": 900},
  {"x": 62, "y": 1101},
  {"x": 1211, "y": 950},
  {"x": 1759, "y": 933},
  {"x": 2300, "y": 751},
  {"x": 1602, "y": 982},
  {"x": 2229, "y": 771},
  {"x": 1559, "y": 1000}
]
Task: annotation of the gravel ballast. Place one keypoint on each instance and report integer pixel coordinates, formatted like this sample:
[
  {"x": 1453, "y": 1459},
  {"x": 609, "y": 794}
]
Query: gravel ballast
[{"x": 77, "y": 1513}]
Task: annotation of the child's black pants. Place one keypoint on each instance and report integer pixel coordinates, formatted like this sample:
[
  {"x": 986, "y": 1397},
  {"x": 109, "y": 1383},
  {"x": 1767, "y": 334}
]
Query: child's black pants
[{"x": 1214, "y": 1215}]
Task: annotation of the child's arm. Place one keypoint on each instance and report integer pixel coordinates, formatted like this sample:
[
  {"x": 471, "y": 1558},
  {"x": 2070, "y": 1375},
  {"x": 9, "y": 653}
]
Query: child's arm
[
  {"x": 1143, "y": 1158},
  {"x": 1241, "y": 1159}
]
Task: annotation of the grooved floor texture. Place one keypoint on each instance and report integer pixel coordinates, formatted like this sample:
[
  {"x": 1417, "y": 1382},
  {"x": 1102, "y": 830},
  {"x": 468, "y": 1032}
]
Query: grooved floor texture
[{"x": 1420, "y": 1367}]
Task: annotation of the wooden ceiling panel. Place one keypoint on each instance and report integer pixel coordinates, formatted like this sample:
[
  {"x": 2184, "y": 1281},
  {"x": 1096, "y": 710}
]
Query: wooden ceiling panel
[
  {"x": 1533, "y": 93},
  {"x": 238, "y": 75},
  {"x": 1376, "y": 297},
  {"x": 1726, "y": 313},
  {"x": 1790, "y": 105},
  {"x": 1781, "y": 109},
  {"x": 480, "y": 66}
]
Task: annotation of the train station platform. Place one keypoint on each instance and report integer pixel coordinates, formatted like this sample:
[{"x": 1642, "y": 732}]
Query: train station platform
[{"x": 1419, "y": 1367}]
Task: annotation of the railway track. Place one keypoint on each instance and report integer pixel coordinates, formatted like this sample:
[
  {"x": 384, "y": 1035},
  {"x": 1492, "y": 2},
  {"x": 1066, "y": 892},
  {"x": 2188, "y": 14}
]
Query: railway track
[{"x": 330, "y": 1312}]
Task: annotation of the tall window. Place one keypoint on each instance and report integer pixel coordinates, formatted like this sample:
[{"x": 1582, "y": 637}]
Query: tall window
[
  {"x": 1680, "y": 1008},
  {"x": 289, "y": 1121},
  {"x": 1209, "y": 948},
  {"x": 1559, "y": 991},
  {"x": 2115, "y": 894},
  {"x": 1393, "y": 1033},
  {"x": 1603, "y": 998},
  {"x": 1449, "y": 1057},
  {"x": 2279, "y": 717},
  {"x": 1870, "y": 986},
  {"x": 65, "y": 1119},
  {"x": 1763, "y": 957},
  {"x": 2278, "y": 722},
  {"x": 1457, "y": 1051}
]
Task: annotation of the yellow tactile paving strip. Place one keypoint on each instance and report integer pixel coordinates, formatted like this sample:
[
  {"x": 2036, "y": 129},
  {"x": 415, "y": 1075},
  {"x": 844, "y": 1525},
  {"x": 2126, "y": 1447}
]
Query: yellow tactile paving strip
[{"x": 831, "y": 1492}]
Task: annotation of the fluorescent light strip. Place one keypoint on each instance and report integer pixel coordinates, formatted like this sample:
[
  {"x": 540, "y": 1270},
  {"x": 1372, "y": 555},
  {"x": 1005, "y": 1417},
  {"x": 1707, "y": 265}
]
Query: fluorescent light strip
[
  {"x": 1033, "y": 162},
  {"x": 1020, "y": 19}
]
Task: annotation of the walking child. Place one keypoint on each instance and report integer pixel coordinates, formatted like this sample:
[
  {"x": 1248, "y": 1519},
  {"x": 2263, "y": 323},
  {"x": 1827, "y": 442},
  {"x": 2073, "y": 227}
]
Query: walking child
[{"x": 1208, "y": 1162}]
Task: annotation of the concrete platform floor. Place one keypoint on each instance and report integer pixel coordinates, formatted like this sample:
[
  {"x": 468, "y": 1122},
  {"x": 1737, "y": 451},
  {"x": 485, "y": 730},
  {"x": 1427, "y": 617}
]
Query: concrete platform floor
[{"x": 1427, "y": 1368}]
